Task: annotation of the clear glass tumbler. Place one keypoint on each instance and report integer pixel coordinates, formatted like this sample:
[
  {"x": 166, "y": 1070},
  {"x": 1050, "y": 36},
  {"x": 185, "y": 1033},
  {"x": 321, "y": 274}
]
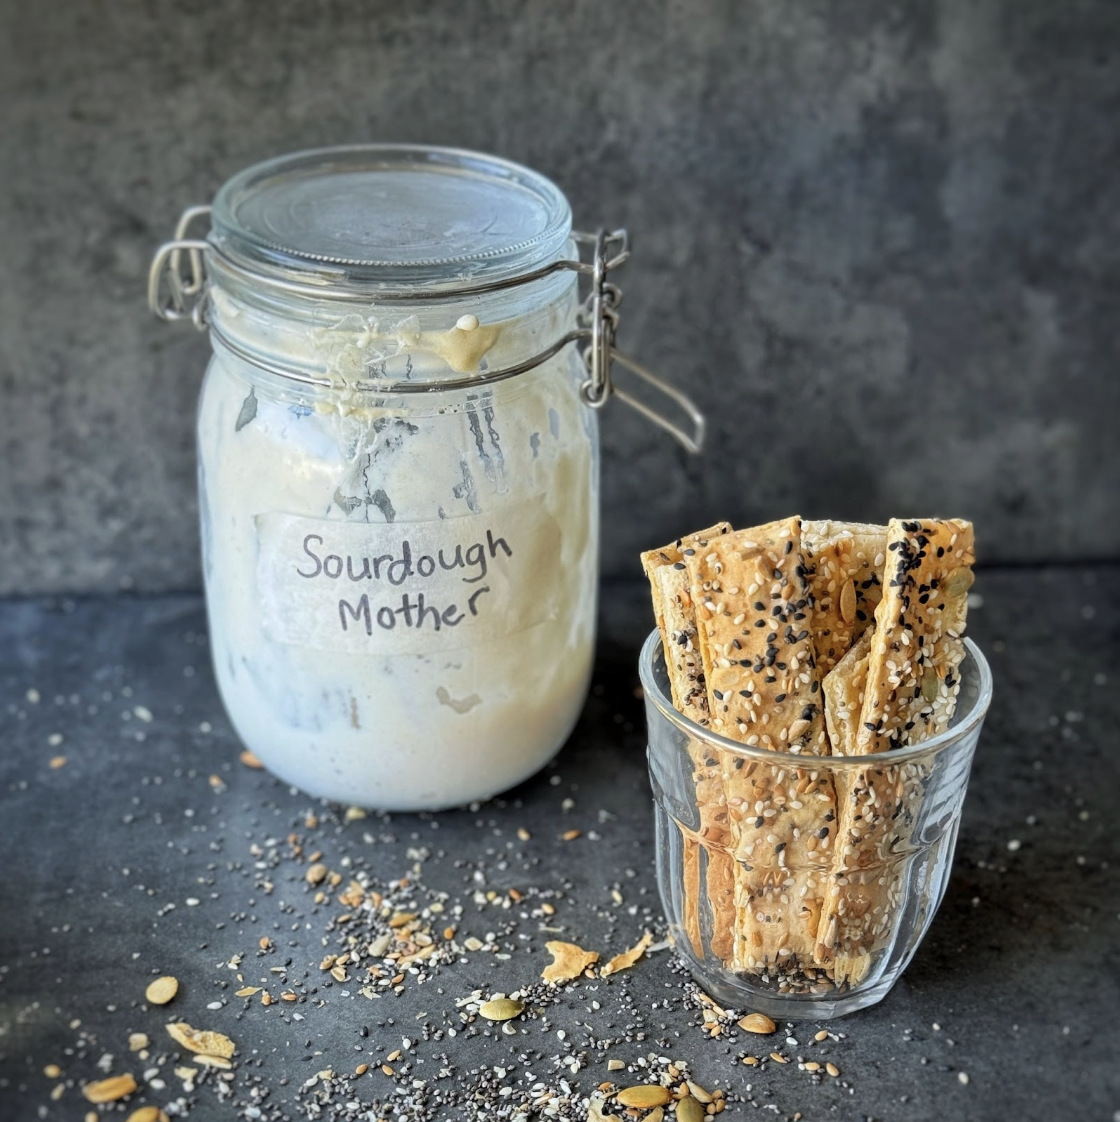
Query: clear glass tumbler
[{"x": 830, "y": 930}]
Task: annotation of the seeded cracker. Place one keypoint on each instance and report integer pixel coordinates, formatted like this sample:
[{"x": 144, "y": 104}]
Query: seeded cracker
[
  {"x": 845, "y": 563},
  {"x": 912, "y": 681},
  {"x": 673, "y": 608},
  {"x": 753, "y": 616},
  {"x": 910, "y": 694},
  {"x": 753, "y": 628},
  {"x": 705, "y": 858}
]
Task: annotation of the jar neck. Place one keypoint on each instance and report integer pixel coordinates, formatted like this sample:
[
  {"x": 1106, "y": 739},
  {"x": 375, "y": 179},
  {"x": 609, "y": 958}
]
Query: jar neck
[{"x": 339, "y": 344}]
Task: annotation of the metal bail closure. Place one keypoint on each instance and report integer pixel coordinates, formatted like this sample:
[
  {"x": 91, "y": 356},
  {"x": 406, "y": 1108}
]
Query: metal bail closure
[
  {"x": 177, "y": 290},
  {"x": 600, "y": 315}
]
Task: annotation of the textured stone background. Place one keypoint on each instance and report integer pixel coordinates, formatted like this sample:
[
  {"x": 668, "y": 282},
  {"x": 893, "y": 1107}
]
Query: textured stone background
[{"x": 878, "y": 241}]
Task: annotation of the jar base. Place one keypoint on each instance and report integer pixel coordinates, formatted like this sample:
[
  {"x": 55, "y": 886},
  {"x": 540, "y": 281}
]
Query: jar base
[
  {"x": 736, "y": 991},
  {"x": 348, "y": 797}
]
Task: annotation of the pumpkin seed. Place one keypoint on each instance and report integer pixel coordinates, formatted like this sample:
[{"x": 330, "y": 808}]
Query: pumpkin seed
[
  {"x": 958, "y": 581},
  {"x": 848, "y": 602},
  {"x": 644, "y": 1096},
  {"x": 698, "y": 1092},
  {"x": 501, "y": 1009},
  {"x": 930, "y": 684},
  {"x": 109, "y": 1090},
  {"x": 758, "y": 1022},
  {"x": 690, "y": 1110},
  {"x": 162, "y": 990},
  {"x": 147, "y": 1114}
]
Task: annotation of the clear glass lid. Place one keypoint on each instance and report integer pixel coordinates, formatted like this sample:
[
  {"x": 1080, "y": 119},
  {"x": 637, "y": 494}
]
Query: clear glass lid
[{"x": 386, "y": 217}]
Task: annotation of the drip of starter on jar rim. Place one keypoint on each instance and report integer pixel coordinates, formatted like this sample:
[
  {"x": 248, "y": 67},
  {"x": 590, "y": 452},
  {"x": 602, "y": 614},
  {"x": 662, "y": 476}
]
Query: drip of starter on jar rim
[{"x": 433, "y": 342}]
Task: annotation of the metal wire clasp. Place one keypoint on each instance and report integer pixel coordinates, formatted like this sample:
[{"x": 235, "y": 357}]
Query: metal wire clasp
[
  {"x": 176, "y": 292},
  {"x": 600, "y": 317}
]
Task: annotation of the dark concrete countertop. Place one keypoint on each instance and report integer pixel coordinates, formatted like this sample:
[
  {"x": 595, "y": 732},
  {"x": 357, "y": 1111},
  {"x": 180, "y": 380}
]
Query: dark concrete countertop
[{"x": 152, "y": 850}]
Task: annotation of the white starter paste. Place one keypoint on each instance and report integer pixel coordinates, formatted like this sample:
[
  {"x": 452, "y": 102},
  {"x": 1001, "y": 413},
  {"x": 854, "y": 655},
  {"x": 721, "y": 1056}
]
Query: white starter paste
[{"x": 401, "y": 592}]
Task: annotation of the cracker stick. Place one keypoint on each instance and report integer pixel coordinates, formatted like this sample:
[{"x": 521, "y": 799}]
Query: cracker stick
[
  {"x": 845, "y": 563},
  {"x": 676, "y": 620},
  {"x": 753, "y": 608},
  {"x": 912, "y": 681},
  {"x": 909, "y": 695},
  {"x": 753, "y": 614},
  {"x": 706, "y": 856}
]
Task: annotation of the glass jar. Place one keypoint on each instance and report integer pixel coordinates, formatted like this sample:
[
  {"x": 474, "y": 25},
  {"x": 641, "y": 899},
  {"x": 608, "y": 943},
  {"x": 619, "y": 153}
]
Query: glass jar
[
  {"x": 398, "y": 466},
  {"x": 869, "y": 904}
]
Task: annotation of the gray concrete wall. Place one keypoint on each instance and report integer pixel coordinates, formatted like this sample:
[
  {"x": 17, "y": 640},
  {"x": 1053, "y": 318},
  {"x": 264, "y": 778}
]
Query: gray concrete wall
[{"x": 878, "y": 241}]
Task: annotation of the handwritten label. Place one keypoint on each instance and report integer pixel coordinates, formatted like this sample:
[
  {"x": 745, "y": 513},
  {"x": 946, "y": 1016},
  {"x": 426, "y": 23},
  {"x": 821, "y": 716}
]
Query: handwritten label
[{"x": 407, "y": 587}]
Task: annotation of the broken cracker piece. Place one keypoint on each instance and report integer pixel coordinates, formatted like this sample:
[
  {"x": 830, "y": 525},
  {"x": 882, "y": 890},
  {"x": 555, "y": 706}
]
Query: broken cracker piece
[
  {"x": 627, "y": 959},
  {"x": 568, "y": 961},
  {"x": 201, "y": 1040}
]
